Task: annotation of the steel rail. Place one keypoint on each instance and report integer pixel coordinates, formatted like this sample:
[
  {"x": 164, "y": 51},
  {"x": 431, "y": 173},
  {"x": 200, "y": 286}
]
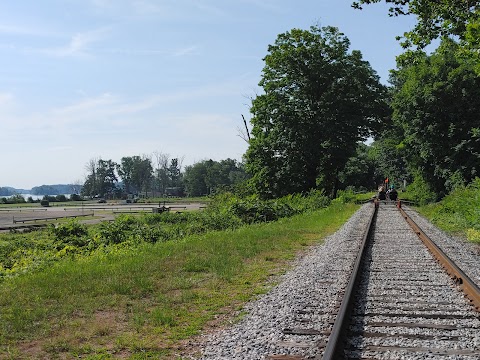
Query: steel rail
[
  {"x": 342, "y": 320},
  {"x": 471, "y": 290}
]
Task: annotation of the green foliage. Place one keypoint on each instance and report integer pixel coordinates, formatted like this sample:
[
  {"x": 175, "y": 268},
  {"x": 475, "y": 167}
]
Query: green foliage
[
  {"x": 136, "y": 173},
  {"x": 60, "y": 198},
  {"x": 420, "y": 191},
  {"x": 209, "y": 176},
  {"x": 253, "y": 209},
  {"x": 437, "y": 102},
  {"x": 388, "y": 153},
  {"x": 459, "y": 211},
  {"x": 346, "y": 196},
  {"x": 17, "y": 199},
  {"x": 101, "y": 178},
  {"x": 70, "y": 233},
  {"x": 360, "y": 171},
  {"x": 45, "y": 203},
  {"x": 72, "y": 239},
  {"x": 320, "y": 100},
  {"x": 72, "y": 228},
  {"x": 75, "y": 197},
  {"x": 49, "y": 198},
  {"x": 435, "y": 19}
]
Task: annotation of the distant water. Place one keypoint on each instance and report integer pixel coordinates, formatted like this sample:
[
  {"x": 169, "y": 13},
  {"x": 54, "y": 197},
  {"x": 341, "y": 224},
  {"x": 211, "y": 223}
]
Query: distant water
[{"x": 34, "y": 197}]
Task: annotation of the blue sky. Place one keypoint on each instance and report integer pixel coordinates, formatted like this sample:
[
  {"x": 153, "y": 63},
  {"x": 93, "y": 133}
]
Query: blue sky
[{"x": 83, "y": 79}]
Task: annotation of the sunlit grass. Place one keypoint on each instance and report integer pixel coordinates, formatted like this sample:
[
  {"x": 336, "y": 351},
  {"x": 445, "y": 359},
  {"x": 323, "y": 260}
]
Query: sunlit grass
[{"x": 458, "y": 213}]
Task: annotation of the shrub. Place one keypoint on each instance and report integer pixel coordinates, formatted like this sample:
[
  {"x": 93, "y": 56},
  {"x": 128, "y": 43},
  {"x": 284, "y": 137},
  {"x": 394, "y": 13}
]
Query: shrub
[
  {"x": 60, "y": 198},
  {"x": 70, "y": 233},
  {"x": 421, "y": 191},
  {"x": 117, "y": 231},
  {"x": 75, "y": 197},
  {"x": 17, "y": 199},
  {"x": 49, "y": 198},
  {"x": 69, "y": 229},
  {"x": 45, "y": 203},
  {"x": 459, "y": 211}
]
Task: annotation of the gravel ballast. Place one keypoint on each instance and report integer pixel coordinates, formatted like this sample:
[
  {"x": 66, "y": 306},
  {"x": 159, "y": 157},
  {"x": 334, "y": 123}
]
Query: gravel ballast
[{"x": 295, "y": 316}]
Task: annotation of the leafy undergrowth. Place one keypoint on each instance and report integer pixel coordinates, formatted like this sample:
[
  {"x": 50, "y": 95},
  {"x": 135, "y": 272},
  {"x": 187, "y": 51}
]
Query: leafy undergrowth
[
  {"x": 23, "y": 253},
  {"x": 459, "y": 212},
  {"x": 140, "y": 302}
]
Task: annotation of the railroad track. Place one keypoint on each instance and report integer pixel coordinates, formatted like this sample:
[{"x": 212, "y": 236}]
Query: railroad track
[
  {"x": 406, "y": 305},
  {"x": 402, "y": 304}
]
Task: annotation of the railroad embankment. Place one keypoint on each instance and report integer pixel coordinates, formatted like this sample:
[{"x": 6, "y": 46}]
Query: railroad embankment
[{"x": 126, "y": 298}]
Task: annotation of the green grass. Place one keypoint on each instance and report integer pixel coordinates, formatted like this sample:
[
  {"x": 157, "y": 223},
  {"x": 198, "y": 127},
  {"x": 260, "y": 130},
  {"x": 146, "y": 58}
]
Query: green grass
[
  {"x": 458, "y": 213},
  {"x": 140, "y": 303}
]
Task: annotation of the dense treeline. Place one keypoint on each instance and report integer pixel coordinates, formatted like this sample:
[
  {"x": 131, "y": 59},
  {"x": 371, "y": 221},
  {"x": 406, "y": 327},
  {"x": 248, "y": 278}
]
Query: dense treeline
[
  {"x": 433, "y": 136},
  {"x": 160, "y": 177}
]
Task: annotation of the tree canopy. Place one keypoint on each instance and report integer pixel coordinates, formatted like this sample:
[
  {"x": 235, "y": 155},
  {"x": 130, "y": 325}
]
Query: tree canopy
[
  {"x": 136, "y": 173},
  {"x": 101, "y": 180},
  {"x": 319, "y": 101},
  {"x": 437, "y": 102},
  {"x": 435, "y": 18},
  {"x": 206, "y": 177}
]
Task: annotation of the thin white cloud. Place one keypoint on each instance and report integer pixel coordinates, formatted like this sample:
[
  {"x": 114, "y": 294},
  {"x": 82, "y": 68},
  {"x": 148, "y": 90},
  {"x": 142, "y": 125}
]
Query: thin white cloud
[
  {"x": 79, "y": 44},
  {"x": 186, "y": 51},
  {"x": 131, "y": 8},
  {"x": 16, "y": 30},
  {"x": 86, "y": 106}
]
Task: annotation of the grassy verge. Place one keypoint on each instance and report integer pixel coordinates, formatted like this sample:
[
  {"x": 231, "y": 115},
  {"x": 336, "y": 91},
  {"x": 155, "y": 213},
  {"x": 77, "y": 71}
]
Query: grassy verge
[
  {"x": 458, "y": 213},
  {"x": 141, "y": 303}
]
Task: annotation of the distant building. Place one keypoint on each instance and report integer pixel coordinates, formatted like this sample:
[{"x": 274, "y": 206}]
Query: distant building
[{"x": 174, "y": 192}]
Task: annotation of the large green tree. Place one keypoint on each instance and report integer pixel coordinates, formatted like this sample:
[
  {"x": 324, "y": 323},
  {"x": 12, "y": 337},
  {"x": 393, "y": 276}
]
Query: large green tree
[
  {"x": 136, "y": 173},
  {"x": 101, "y": 179},
  {"x": 319, "y": 101},
  {"x": 437, "y": 103}
]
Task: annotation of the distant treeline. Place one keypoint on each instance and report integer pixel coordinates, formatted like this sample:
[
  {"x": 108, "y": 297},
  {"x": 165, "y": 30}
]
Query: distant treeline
[
  {"x": 58, "y": 189},
  {"x": 7, "y": 191},
  {"x": 55, "y": 189}
]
